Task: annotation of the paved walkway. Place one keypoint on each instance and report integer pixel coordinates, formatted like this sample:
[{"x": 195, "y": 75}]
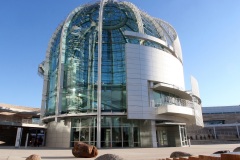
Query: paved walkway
[{"x": 11, "y": 153}]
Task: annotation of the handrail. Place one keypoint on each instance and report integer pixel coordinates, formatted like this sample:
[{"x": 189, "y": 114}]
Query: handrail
[
  {"x": 173, "y": 100},
  {"x": 19, "y": 121}
]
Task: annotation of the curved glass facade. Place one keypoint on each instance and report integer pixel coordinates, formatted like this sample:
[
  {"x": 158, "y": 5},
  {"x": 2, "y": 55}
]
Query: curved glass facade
[
  {"x": 149, "y": 27},
  {"x": 138, "y": 53},
  {"x": 80, "y": 58},
  {"x": 53, "y": 74},
  {"x": 79, "y": 92}
]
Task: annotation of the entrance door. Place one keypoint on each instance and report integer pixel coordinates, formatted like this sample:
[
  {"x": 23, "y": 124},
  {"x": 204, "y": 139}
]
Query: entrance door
[
  {"x": 162, "y": 137},
  {"x": 183, "y": 135},
  {"x": 106, "y": 137}
]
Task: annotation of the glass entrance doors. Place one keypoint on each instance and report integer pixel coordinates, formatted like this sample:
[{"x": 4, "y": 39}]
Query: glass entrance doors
[
  {"x": 106, "y": 137},
  {"x": 183, "y": 135},
  {"x": 162, "y": 139},
  {"x": 173, "y": 135},
  {"x": 115, "y": 131}
]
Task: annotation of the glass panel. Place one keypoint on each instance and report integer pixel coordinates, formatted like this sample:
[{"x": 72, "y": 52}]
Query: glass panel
[
  {"x": 93, "y": 122},
  {"x": 164, "y": 98},
  {"x": 75, "y": 134},
  {"x": 79, "y": 93},
  {"x": 93, "y": 134},
  {"x": 106, "y": 137},
  {"x": 116, "y": 137},
  {"x": 126, "y": 137},
  {"x": 154, "y": 45},
  {"x": 84, "y": 135},
  {"x": 79, "y": 89},
  {"x": 149, "y": 27},
  {"x": 85, "y": 122},
  {"x": 136, "y": 137},
  {"x": 115, "y": 131},
  {"x": 106, "y": 121},
  {"x": 35, "y": 120},
  {"x": 116, "y": 121},
  {"x": 76, "y": 122},
  {"x": 53, "y": 75},
  {"x": 126, "y": 122},
  {"x": 183, "y": 133},
  {"x": 162, "y": 137}
]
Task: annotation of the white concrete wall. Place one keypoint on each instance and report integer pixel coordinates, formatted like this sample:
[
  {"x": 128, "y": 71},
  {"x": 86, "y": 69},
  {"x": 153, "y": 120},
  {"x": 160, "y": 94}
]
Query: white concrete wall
[
  {"x": 145, "y": 64},
  {"x": 198, "y": 114},
  {"x": 58, "y": 134},
  {"x": 175, "y": 109}
]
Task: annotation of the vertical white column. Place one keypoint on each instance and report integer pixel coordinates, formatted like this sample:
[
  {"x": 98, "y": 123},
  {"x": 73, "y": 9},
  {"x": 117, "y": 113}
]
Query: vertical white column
[
  {"x": 18, "y": 137},
  {"x": 122, "y": 133},
  {"x": 237, "y": 131},
  {"x": 44, "y": 95},
  {"x": 46, "y": 72},
  {"x": 61, "y": 59},
  {"x": 185, "y": 136},
  {"x": 180, "y": 134},
  {"x": 26, "y": 142},
  {"x": 214, "y": 133},
  {"x": 59, "y": 90},
  {"x": 99, "y": 82},
  {"x": 153, "y": 134},
  {"x": 89, "y": 134}
]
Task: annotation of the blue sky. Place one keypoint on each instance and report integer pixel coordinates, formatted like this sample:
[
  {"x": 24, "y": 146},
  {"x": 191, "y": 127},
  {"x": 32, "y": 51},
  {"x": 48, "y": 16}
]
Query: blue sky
[{"x": 209, "y": 32}]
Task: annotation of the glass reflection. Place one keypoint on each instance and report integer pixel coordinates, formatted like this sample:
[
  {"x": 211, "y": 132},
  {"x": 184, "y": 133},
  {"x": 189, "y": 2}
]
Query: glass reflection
[
  {"x": 115, "y": 131},
  {"x": 80, "y": 67}
]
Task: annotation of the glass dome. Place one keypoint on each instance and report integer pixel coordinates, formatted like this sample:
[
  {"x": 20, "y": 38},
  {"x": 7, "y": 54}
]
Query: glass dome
[{"x": 76, "y": 43}]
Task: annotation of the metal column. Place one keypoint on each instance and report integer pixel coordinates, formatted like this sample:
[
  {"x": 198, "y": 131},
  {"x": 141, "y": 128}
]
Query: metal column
[
  {"x": 99, "y": 82},
  {"x": 180, "y": 134},
  {"x": 215, "y": 135},
  {"x": 237, "y": 131}
]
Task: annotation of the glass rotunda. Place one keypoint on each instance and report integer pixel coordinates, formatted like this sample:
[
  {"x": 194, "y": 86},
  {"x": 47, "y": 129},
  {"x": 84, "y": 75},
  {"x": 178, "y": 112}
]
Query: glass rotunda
[{"x": 113, "y": 77}]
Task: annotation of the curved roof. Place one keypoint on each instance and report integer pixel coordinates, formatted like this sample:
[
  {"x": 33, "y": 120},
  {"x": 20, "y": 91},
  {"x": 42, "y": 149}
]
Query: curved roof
[
  {"x": 16, "y": 108},
  {"x": 119, "y": 14}
]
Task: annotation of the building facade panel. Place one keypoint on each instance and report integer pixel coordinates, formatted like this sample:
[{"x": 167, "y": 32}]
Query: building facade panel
[{"x": 161, "y": 69}]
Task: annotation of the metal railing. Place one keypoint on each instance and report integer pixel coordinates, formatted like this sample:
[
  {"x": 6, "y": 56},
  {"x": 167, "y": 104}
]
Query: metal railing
[
  {"x": 167, "y": 100},
  {"x": 30, "y": 121},
  {"x": 14, "y": 120}
]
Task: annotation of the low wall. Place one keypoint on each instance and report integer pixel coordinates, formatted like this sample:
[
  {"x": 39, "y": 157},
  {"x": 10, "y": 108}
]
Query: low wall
[
  {"x": 204, "y": 142},
  {"x": 229, "y": 156}
]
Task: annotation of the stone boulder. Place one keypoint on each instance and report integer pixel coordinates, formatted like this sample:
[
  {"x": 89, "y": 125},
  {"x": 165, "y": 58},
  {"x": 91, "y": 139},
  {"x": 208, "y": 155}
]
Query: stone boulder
[
  {"x": 221, "y": 152},
  {"x": 236, "y": 149},
  {"x": 178, "y": 154},
  {"x": 34, "y": 157},
  {"x": 83, "y": 150},
  {"x": 109, "y": 157}
]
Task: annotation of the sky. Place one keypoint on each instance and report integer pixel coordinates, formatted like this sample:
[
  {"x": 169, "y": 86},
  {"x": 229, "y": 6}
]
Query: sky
[{"x": 209, "y": 32}]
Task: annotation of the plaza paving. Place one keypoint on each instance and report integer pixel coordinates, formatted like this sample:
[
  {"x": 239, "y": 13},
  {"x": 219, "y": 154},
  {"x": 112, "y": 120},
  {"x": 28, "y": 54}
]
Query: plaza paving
[{"x": 11, "y": 153}]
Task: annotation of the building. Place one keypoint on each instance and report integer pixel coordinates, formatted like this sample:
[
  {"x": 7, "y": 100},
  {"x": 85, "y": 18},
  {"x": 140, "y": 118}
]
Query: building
[
  {"x": 140, "y": 99},
  {"x": 221, "y": 125},
  {"x": 25, "y": 120}
]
